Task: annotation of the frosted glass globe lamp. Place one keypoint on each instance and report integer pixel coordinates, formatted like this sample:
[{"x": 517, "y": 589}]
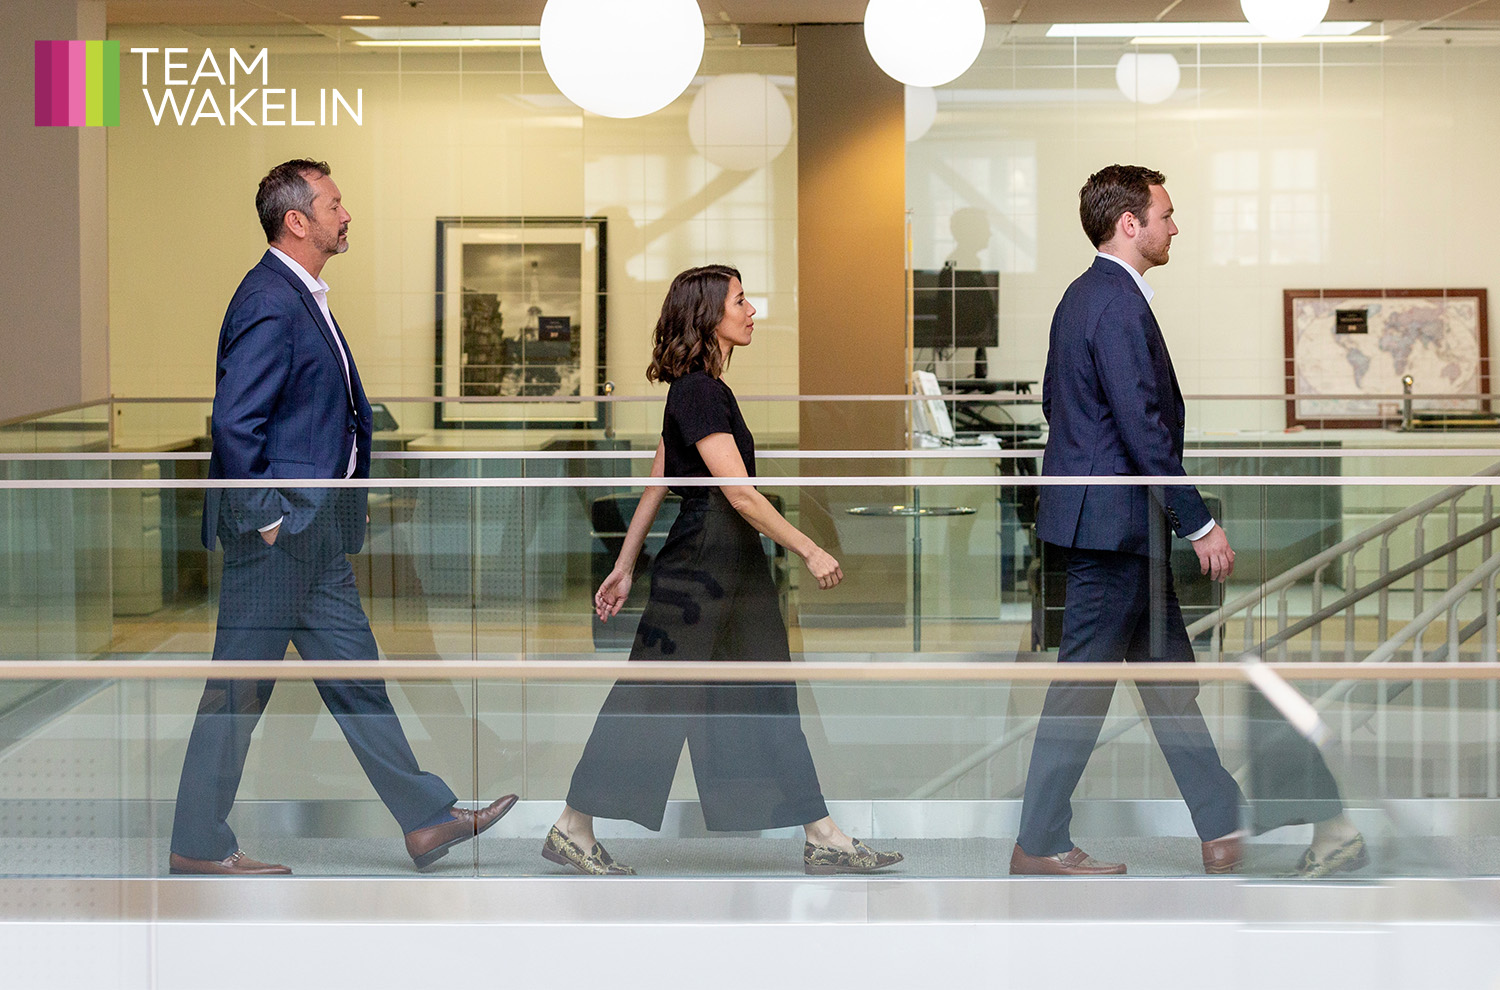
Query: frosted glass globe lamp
[
  {"x": 1147, "y": 77},
  {"x": 1284, "y": 19},
  {"x": 924, "y": 42},
  {"x": 620, "y": 59},
  {"x": 740, "y": 121}
]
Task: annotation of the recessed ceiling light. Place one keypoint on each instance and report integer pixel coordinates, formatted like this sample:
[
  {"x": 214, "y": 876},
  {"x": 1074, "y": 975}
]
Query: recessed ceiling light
[
  {"x": 359, "y": 17},
  {"x": 1307, "y": 39},
  {"x": 470, "y": 36},
  {"x": 454, "y": 43},
  {"x": 1193, "y": 29}
]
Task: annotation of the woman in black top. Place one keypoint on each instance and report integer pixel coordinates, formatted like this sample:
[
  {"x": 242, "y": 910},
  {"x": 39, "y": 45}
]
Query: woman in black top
[{"x": 712, "y": 598}]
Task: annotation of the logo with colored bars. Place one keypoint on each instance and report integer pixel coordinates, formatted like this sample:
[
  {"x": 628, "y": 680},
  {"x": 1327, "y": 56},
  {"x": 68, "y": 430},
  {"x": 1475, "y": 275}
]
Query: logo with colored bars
[{"x": 77, "y": 83}]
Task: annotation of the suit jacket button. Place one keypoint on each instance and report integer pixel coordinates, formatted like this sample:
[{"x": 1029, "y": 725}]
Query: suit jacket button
[{"x": 351, "y": 427}]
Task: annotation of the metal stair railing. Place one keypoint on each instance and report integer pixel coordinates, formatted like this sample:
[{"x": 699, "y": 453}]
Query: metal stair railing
[
  {"x": 1446, "y": 608},
  {"x": 1318, "y": 564}
]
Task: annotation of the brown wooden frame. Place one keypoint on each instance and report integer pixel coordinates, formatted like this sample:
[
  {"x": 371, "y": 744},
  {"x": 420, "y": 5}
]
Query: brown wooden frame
[{"x": 1290, "y": 371}]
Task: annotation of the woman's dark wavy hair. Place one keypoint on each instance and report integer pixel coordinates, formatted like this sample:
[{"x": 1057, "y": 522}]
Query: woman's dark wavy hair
[{"x": 685, "y": 341}]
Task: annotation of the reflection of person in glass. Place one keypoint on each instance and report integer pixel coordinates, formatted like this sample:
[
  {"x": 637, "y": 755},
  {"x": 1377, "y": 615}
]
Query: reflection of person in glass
[
  {"x": 289, "y": 404},
  {"x": 712, "y": 598},
  {"x": 1112, "y": 402}
]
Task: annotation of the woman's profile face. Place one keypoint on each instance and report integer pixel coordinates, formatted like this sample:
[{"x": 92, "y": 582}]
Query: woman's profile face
[{"x": 738, "y": 322}]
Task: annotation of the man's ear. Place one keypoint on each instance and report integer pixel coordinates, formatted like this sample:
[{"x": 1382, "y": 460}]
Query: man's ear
[{"x": 295, "y": 223}]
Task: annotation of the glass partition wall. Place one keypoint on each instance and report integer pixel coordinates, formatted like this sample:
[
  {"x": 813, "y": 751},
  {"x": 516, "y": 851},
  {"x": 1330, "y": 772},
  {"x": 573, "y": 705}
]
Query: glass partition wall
[{"x": 1364, "y": 579}]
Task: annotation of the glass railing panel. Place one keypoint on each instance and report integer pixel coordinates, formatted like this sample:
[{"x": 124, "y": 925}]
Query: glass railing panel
[{"x": 714, "y": 778}]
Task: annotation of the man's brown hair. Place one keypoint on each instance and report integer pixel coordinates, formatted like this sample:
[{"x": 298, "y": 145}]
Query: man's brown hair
[{"x": 1112, "y": 192}]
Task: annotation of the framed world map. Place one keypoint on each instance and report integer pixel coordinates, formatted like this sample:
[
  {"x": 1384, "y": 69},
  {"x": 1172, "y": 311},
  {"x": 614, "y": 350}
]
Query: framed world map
[{"x": 1348, "y": 349}]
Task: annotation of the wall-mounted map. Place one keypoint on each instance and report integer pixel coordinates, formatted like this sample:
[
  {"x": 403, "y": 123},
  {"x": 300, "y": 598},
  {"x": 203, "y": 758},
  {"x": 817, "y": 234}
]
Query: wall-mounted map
[{"x": 1348, "y": 349}]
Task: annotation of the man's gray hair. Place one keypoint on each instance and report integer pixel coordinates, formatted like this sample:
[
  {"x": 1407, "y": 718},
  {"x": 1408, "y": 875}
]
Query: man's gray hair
[{"x": 285, "y": 188}]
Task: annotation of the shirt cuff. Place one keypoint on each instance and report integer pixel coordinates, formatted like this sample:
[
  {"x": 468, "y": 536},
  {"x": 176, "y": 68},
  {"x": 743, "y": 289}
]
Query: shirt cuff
[
  {"x": 1200, "y": 534},
  {"x": 267, "y": 529}
]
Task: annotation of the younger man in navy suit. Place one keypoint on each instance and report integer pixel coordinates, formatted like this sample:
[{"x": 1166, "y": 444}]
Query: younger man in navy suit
[
  {"x": 288, "y": 403},
  {"x": 1113, "y": 407}
]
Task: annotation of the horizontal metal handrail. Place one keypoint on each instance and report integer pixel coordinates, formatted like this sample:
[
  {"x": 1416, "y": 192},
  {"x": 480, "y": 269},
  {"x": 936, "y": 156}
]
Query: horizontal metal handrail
[
  {"x": 902, "y": 453},
  {"x": 805, "y": 480},
  {"x": 700, "y": 671},
  {"x": 798, "y": 397}
]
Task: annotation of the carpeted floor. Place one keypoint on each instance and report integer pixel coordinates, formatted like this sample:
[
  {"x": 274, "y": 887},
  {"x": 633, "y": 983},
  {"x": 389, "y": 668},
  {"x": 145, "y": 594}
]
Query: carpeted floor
[{"x": 719, "y": 857}]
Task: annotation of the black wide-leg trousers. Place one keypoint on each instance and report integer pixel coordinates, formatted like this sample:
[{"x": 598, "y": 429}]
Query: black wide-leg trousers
[{"x": 712, "y": 598}]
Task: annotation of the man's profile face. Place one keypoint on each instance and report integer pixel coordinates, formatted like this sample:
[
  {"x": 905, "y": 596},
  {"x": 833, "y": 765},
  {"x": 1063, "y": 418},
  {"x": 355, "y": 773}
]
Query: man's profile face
[
  {"x": 1153, "y": 238},
  {"x": 328, "y": 224}
]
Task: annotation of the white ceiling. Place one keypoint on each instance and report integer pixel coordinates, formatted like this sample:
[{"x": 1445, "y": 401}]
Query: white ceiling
[{"x": 437, "y": 12}]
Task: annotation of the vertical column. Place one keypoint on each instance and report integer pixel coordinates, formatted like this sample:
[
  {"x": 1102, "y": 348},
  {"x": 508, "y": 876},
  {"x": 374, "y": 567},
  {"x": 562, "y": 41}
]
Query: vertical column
[
  {"x": 851, "y": 288},
  {"x": 54, "y": 269},
  {"x": 54, "y": 310},
  {"x": 851, "y": 233}
]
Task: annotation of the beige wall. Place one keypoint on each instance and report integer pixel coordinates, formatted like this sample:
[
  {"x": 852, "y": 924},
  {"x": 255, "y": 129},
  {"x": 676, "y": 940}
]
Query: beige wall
[
  {"x": 1292, "y": 166},
  {"x": 53, "y": 210},
  {"x": 445, "y": 134}
]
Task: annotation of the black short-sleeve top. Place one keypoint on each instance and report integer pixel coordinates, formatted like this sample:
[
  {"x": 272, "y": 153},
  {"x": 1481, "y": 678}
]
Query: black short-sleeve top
[{"x": 700, "y": 405}]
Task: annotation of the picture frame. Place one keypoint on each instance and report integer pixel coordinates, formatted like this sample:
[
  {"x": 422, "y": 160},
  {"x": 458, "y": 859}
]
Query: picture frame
[
  {"x": 521, "y": 307},
  {"x": 1344, "y": 342}
]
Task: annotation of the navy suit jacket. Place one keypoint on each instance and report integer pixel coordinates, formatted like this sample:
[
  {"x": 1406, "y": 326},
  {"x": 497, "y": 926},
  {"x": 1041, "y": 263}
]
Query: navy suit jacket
[
  {"x": 282, "y": 409},
  {"x": 1113, "y": 407}
]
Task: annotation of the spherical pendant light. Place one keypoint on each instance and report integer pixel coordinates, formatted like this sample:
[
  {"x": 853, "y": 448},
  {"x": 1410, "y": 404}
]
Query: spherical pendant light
[
  {"x": 740, "y": 121},
  {"x": 620, "y": 59},
  {"x": 1147, "y": 77},
  {"x": 924, "y": 42},
  {"x": 1284, "y": 19}
]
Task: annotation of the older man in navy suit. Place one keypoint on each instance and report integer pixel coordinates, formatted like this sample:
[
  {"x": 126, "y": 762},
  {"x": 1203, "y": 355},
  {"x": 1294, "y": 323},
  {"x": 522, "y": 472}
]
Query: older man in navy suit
[
  {"x": 288, "y": 404},
  {"x": 1113, "y": 407}
]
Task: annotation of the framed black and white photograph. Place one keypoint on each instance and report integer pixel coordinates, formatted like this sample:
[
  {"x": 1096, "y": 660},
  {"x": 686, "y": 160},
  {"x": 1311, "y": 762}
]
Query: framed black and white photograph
[{"x": 520, "y": 313}]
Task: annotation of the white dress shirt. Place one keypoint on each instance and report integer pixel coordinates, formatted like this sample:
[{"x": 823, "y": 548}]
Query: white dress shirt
[
  {"x": 1148, "y": 292},
  {"x": 319, "y": 290}
]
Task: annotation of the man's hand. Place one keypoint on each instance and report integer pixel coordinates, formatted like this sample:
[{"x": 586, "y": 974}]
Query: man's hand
[
  {"x": 1215, "y": 558},
  {"x": 269, "y": 535}
]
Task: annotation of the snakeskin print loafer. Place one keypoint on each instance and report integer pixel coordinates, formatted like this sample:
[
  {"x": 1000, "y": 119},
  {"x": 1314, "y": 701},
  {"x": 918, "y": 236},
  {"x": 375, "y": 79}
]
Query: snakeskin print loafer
[
  {"x": 596, "y": 862},
  {"x": 822, "y": 861},
  {"x": 1346, "y": 858}
]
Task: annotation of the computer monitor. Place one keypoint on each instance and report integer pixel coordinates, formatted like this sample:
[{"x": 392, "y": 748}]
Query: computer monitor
[{"x": 955, "y": 307}]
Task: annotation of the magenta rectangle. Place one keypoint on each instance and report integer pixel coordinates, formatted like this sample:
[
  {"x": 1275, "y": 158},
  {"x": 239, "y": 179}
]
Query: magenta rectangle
[
  {"x": 78, "y": 75},
  {"x": 58, "y": 90},
  {"x": 43, "y": 73}
]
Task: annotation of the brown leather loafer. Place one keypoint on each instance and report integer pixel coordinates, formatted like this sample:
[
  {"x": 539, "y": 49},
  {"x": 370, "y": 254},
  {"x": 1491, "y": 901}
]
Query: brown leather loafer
[
  {"x": 236, "y": 865},
  {"x": 428, "y": 845},
  {"x": 1224, "y": 855},
  {"x": 1073, "y": 863}
]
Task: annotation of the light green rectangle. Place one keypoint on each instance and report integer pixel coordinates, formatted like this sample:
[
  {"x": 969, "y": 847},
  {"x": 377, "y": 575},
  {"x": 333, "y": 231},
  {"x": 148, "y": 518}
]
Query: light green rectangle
[
  {"x": 111, "y": 83},
  {"x": 93, "y": 74}
]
